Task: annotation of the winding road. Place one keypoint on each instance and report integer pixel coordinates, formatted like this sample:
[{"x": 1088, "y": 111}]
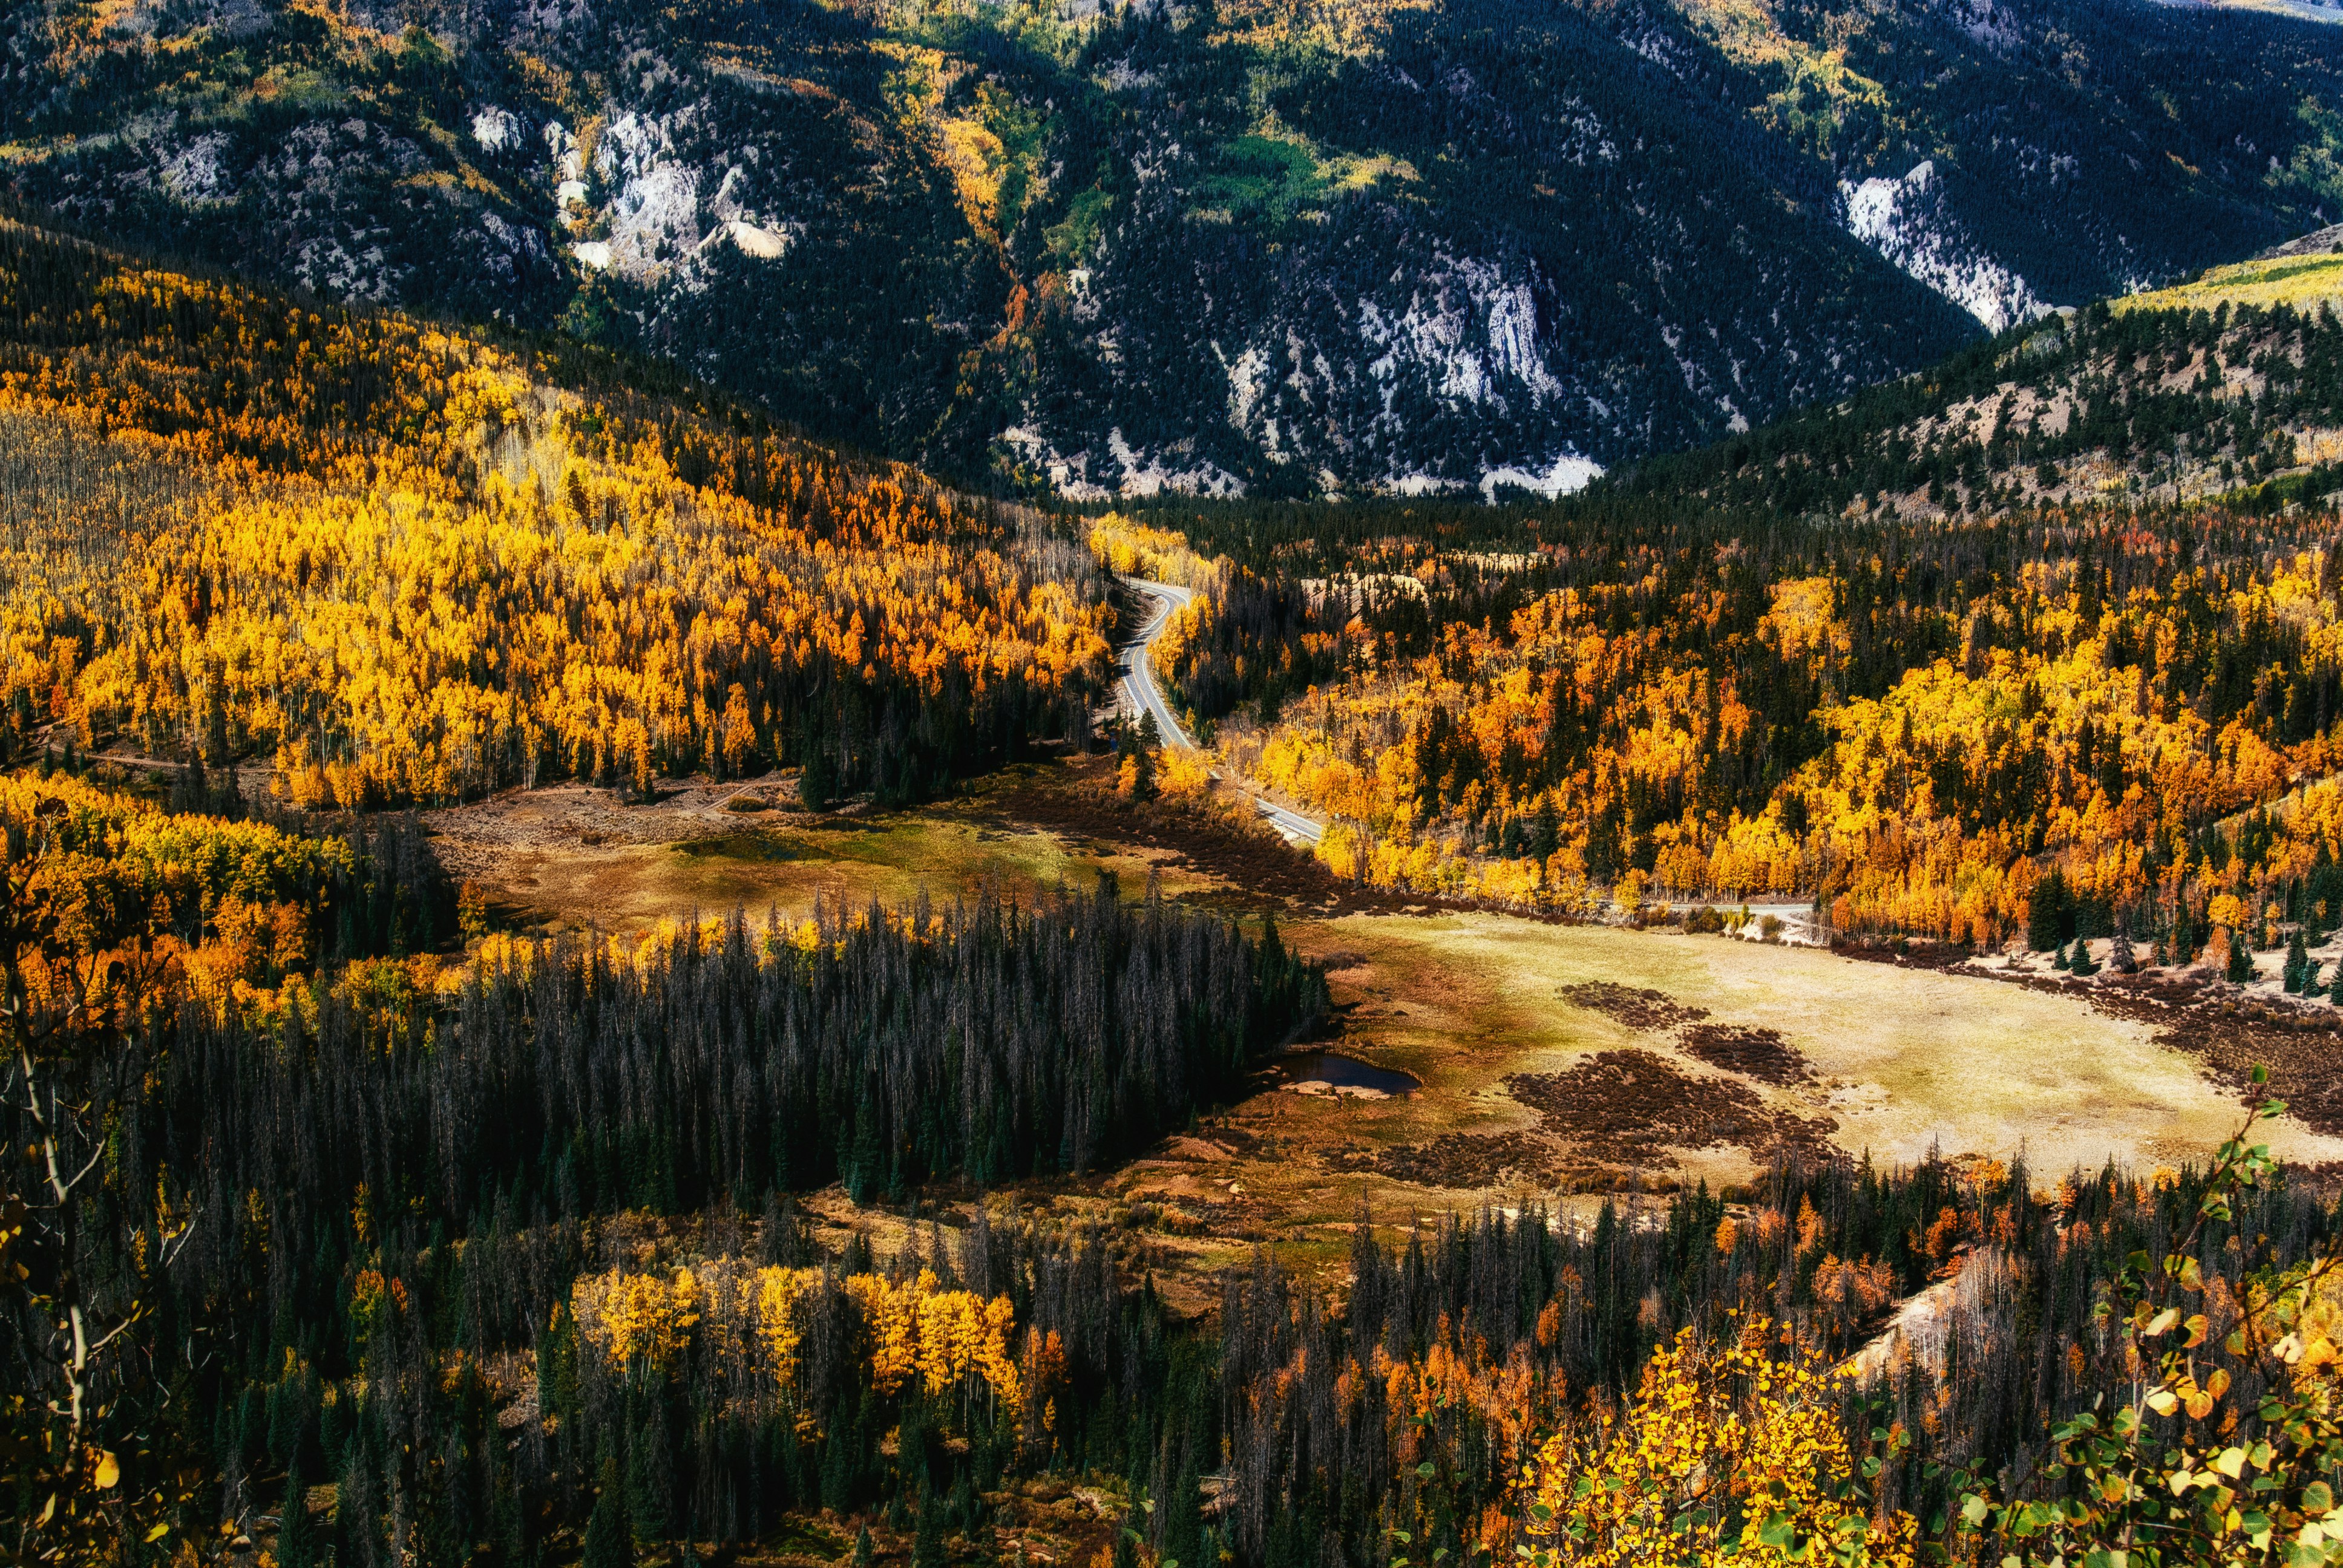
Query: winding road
[{"x": 1144, "y": 697}]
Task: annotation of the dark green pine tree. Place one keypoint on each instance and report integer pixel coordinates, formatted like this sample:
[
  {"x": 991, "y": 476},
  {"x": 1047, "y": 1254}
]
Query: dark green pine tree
[
  {"x": 609, "y": 1533},
  {"x": 862, "y": 1547},
  {"x": 927, "y": 1540},
  {"x": 296, "y": 1536},
  {"x": 2061, "y": 962},
  {"x": 358, "y": 1504},
  {"x": 2046, "y": 912},
  {"x": 509, "y": 1524},
  {"x": 865, "y": 1166},
  {"x": 2298, "y": 960},
  {"x": 650, "y": 1474},
  {"x": 817, "y": 774},
  {"x": 2082, "y": 964},
  {"x": 449, "y": 1525},
  {"x": 1183, "y": 1519},
  {"x": 2241, "y": 959}
]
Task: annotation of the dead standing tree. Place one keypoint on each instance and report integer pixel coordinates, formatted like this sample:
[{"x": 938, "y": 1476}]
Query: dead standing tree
[{"x": 72, "y": 986}]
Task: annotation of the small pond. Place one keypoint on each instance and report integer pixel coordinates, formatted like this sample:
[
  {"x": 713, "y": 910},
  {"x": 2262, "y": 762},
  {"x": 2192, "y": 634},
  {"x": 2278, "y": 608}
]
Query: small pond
[{"x": 1341, "y": 1074}]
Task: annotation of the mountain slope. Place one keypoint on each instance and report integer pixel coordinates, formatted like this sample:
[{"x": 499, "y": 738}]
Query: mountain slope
[
  {"x": 396, "y": 562},
  {"x": 1255, "y": 248}
]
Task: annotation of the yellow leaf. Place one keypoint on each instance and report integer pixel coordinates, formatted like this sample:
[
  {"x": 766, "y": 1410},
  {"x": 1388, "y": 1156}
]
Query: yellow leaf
[
  {"x": 2231, "y": 1460},
  {"x": 157, "y": 1533},
  {"x": 108, "y": 1472}
]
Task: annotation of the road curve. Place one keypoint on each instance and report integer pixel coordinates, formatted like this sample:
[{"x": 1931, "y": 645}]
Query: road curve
[
  {"x": 1144, "y": 697},
  {"x": 1138, "y": 679}
]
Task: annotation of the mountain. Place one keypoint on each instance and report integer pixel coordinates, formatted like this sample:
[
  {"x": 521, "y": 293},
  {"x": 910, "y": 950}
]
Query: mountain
[{"x": 1267, "y": 249}]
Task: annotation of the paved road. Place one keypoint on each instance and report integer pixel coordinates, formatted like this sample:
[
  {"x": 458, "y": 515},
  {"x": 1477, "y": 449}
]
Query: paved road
[
  {"x": 1138, "y": 679},
  {"x": 1145, "y": 697}
]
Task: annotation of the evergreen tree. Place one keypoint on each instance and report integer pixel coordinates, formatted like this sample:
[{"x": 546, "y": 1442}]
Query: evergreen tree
[
  {"x": 2061, "y": 963},
  {"x": 2298, "y": 961},
  {"x": 509, "y": 1523},
  {"x": 1183, "y": 1522},
  {"x": 609, "y": 1533},
  {"x": 2047, "y": 912},
  {"x": 2082, "y": 964},
  {"x": 449, "y": 1522},
  {"x": 2240, "y": 970},
  {"x": 2120, "y": 957},
  {"x": 816, "y": 774},
  {"x": 927, "y": 1540},
  {"x": 296, "y": 1535},
  {"x": 357, "y": 1506},
  {"x": 862, "y": 1547},
  {"x": 650, "y": 1472}
]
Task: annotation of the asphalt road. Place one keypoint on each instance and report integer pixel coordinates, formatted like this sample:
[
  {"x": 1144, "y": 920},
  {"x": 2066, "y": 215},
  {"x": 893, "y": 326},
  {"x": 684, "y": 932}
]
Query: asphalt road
[{"x": 1145, "y": 697}]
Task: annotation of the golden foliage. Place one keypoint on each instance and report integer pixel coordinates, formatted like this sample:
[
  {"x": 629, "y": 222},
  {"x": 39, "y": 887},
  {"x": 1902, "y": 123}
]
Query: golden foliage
[
  {"x": 413, "y": 565},
  {"x": 740, "y": 1318},
  {"x": 2049, "y": 736},
  {"x": 1730, "y": 1451}
]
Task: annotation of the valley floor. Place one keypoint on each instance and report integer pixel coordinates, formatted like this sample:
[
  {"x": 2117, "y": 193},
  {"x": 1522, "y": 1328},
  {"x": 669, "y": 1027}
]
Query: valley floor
[{"x": 1566, "y": 1063}]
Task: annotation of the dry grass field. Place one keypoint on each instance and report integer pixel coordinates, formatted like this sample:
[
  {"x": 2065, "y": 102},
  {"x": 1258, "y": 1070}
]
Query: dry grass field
[
  {"x": 1568, "y": 1064},
  {"x": 576, "y": 856}
]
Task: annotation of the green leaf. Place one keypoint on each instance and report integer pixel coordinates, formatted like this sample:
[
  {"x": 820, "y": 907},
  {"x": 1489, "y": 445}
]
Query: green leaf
[
  {"x": 1973, "y": 1509},
  {"x": 1776, "y": 1531},
  {"x": 1427, "y": 1470}
]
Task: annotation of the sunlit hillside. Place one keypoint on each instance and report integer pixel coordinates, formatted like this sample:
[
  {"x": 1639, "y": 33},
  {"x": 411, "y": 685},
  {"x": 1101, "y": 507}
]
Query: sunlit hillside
[
  {"x": 2302, "y": 282},
  {"x": 396, "y": 561}
]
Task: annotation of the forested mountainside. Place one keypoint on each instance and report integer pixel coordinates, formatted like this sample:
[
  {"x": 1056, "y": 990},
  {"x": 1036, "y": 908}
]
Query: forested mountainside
[
  {"x": 1262, "y": 249},
  {"x": 399, "y": 563},
  {"x": 2045, "y": 640}
]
